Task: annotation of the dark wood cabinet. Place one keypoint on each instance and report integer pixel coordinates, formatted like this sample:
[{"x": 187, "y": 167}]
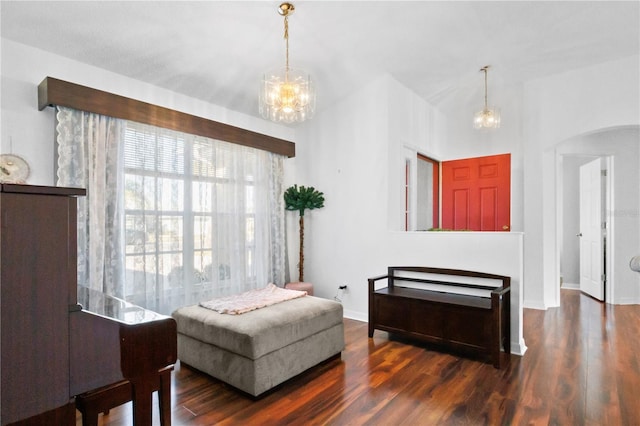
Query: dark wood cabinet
[{"x": 37, "y": 285}]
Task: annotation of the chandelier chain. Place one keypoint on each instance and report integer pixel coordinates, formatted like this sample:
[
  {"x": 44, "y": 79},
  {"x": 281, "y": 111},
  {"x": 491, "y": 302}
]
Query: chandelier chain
[
  {"x": 485, "y": 88},
  {"x": 286, "y": 38},
  {"x": 486, "y": 103}
]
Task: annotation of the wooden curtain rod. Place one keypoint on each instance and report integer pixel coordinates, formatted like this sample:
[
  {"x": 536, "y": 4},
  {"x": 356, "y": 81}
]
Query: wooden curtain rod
[{"x": 52, "y": 91}]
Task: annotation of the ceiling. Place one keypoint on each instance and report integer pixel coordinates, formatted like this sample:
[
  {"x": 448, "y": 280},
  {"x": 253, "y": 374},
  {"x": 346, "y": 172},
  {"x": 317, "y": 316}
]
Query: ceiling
[{"x": 217, "y": 50}]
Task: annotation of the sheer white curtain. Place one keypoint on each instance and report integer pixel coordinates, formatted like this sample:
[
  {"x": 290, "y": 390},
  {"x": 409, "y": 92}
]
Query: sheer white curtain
[
  {"x": 90, "y": 156},
  {"x": 198, "y": 218}
]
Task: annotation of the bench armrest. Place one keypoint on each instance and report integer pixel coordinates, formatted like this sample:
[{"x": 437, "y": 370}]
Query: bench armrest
[
  {"x": 372, "y": 281},
  {"x": 501, "y": 290}
]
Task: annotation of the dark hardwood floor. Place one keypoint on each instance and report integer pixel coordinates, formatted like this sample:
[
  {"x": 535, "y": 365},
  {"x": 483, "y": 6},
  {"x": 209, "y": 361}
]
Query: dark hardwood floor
[{"x": 582, "y": 367}]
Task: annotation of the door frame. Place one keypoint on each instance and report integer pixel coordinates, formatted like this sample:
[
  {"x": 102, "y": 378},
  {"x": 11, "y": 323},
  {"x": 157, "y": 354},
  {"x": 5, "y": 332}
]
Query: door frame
[{"x": 608, "y": 246}]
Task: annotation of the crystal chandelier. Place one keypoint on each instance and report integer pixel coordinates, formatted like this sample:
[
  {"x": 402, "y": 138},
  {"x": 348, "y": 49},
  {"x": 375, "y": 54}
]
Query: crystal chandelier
[
  {"x": 487, "y": 118},
  {"x": 287, "y": 94}
]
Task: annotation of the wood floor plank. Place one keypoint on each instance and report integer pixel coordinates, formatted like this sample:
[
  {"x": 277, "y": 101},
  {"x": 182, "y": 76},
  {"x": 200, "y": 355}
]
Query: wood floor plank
[{"x": 582, "y": 367}]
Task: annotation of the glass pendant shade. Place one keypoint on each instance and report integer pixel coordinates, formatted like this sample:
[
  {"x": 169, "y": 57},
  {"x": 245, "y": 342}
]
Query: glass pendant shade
[
  {"x": 488, "y": 118},
  {"x": 287, "y": 95}
]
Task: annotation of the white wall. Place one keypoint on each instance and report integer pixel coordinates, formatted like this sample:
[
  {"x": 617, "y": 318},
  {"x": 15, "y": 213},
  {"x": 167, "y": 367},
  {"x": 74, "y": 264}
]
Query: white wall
[
  {"x": 30, "y": 133},
  {"x": 412, "y": 127},
  {"x": 354, "y": 154},
  {"x": 556, "y": 109}
]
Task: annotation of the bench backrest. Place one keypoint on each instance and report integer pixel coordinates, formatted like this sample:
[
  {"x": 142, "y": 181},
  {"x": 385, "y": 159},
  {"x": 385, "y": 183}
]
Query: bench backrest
[{"x": 447, "y": 280}]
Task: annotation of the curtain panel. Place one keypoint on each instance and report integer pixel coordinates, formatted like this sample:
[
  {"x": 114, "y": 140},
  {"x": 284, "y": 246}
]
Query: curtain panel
[
  {"x": 187, "y": 218},
  {"x": 90, "y": 157}
]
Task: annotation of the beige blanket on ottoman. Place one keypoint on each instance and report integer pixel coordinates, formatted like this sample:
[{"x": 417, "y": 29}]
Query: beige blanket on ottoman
[{"x": 262, "y": 348}]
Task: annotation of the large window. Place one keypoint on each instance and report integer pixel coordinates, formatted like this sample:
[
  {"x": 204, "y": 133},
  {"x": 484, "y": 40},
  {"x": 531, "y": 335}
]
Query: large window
[
  {"x": 170, "y": 218},
  {"x": 182, "y": 208}
]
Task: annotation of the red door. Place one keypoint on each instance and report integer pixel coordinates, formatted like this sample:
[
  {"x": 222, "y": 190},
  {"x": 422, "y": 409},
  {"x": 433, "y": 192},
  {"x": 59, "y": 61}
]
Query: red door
[{"x": 476, "y": 193}]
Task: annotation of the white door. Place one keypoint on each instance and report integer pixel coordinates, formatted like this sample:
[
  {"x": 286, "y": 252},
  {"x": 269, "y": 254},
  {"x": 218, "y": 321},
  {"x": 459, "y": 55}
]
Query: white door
[{"x": 591, "y": 255}]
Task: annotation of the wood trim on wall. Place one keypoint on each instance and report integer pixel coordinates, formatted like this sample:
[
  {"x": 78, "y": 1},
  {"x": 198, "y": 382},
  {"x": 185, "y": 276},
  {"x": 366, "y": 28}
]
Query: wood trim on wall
[
  {"x": 52, "y": 91},
  {"x": 436, "y": 188}
]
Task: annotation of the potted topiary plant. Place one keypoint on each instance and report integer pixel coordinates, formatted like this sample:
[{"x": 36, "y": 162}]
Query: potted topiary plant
[{"x": 301, "y": 199}]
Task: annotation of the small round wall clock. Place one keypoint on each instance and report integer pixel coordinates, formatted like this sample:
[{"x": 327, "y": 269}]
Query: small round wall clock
[{"x": 13, "y": 169}]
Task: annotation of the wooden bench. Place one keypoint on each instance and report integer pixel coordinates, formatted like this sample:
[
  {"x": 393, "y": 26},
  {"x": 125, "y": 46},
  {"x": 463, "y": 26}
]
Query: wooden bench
[
  {"x": 464, "y": 311},
  {"x": 102, "y": 400}
]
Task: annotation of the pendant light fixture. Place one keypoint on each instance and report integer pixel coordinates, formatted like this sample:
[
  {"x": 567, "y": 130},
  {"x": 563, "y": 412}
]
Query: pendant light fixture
[
  {"x": 487, "y": 118},
  {"x": 287, "y": 94}
]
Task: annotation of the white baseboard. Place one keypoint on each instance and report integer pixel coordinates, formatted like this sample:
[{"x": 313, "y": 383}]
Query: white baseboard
[
  {"x": 627, "y": 301},
  {"x": 518, "y": 348},
  {"x": 534, "y": 305},
  {"x": 570, "y": 286},
  {"x": 355, "y": 315}
]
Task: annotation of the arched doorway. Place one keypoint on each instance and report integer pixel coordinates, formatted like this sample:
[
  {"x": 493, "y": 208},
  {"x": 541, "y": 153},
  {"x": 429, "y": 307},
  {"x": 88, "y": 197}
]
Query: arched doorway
[{"x": 621, "y": 147}]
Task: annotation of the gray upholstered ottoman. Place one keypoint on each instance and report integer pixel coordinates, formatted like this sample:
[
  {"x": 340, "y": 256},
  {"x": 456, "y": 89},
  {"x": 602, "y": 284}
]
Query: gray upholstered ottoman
[{"x": 260, "y": 349}]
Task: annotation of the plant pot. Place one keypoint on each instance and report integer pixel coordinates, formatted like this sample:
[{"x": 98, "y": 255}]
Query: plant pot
[{"x": 301, "y": 286}]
